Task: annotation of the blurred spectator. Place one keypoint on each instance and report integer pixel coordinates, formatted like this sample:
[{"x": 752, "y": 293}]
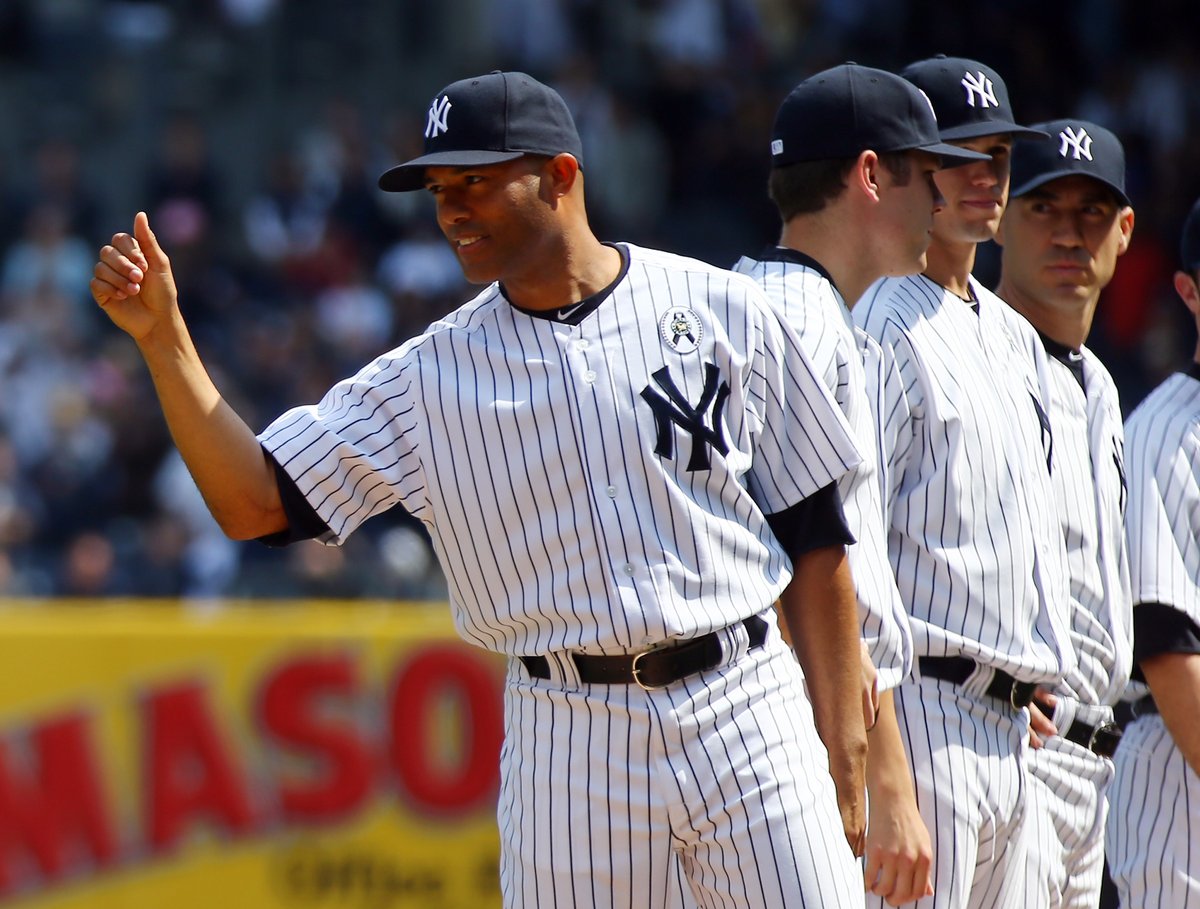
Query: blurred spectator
[{"x": 257, "y": 156}]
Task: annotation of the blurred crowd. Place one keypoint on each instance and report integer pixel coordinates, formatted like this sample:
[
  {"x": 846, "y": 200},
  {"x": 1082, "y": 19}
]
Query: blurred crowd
[{"x": 252, "y": 132}]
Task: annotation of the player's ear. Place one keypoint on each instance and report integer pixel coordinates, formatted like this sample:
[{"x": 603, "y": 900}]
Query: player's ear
[
  {"x": 864, "y": 174},
  {"x": 561, "y": 174},
  {"x": 1185, "y": 286},
  {"x": 1125, "y": 221}
]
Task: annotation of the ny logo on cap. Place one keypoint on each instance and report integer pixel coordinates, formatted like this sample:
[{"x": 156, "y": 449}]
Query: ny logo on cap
[
  {"x": 435, "y": 124},
  {"x": 981, "y": 85},
  {"x": 1080, "y": 142}
]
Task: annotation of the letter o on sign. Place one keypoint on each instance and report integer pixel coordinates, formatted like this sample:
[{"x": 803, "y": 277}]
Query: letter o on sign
[{"x": 447, "y": 727}]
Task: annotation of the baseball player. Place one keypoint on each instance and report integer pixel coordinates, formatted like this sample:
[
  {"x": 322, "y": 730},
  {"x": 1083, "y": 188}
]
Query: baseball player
[
  {"x": 1067, "y": 221},
  {"x": 1153, "y": 835},
  {"x": 623, "y": 458},
  {"x": 854, "y": 150},
  {"x": 977, "y": 555}
]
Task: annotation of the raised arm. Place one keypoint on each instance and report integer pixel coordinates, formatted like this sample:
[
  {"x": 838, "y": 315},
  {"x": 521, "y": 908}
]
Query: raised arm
[{"x": 134, "y": 286}]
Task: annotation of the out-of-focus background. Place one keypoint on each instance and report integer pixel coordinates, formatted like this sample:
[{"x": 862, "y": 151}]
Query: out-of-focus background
[
  {"x": 298, "y": 728},
  {"x": 252, "y": 131}
]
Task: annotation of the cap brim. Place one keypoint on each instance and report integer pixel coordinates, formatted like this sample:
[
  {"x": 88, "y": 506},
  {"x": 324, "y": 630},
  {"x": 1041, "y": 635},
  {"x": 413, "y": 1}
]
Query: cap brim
[
  {"x": 410, "y": 175},
  {"x": 1041, "y": 179},
  {"x": 975, "y": 130},
  {"x": 952, "y": 155}
]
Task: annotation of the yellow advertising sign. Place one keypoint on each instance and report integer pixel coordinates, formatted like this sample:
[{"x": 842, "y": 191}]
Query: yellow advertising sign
[{"x": 257, "y": 755}]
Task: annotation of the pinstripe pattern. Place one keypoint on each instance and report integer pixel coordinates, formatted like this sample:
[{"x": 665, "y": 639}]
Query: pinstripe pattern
[
  {"x": 745, "y": 816},
  {"x": 524, "y": 447},
  {"x": 579, "y": 497},
  {"x": 979, "y": 560},
  {"x": 1066, "y": 812},
  {"x": 1163, "y": 518},
  {"x": 971, "y": 798},
  {"x": 838, "y": 350},
  {"x": 1153, "y": 836},
  {"x": 968, "y": 481},
  {"x": 1067, "y": 804}
]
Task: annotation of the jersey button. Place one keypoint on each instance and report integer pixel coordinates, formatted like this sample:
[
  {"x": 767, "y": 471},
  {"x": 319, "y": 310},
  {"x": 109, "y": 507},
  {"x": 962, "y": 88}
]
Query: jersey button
[
  {"x": 589, "y": 376},
  {"x": 628, "y": 569},
  {"x": 581, "y": 344},
  {"x": 611, "y": 492}
]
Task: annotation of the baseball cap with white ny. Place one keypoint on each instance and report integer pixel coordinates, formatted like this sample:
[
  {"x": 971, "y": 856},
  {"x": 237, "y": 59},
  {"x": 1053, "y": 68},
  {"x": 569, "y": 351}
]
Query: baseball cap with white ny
[{"x": 486, "y": 120}]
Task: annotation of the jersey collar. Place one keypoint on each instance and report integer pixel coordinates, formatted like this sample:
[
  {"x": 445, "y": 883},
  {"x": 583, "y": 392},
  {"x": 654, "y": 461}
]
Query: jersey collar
[{"x": 575, "y": 313}]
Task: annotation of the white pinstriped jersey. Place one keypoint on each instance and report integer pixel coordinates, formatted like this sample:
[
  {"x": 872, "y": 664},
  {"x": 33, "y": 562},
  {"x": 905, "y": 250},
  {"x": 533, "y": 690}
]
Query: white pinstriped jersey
[
  {"x": 838, "y": 350},
  {"x": 594, "y": 485},
  {"x": 977, "y": 552},
  {"x": 1162, "y": 523},
  {"x": 1090, "y": 489}
]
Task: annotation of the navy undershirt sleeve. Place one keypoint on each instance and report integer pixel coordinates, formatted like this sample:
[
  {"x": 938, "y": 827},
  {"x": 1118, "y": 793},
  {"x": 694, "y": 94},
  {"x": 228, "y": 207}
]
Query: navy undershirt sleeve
[
  {"x": 303, "y": 521},
  {"x": 1158, "y": 628},
  {"x": 812, "y": 523}
]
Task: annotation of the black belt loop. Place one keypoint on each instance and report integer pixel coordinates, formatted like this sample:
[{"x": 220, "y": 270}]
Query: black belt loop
[
  {"x": 958, "y": 669},
  {"x": 651, "y": 669},
  {"x": 1101, "y": 739}
]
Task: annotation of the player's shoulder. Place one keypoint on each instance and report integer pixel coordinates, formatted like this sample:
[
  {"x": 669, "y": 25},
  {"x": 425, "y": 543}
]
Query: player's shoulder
[
  {"x": 466, "y": 320},
  {"x": 722, "y": 287},
  {"x": 1169, "y": 414},
  {"x": 894, "y": 306}
]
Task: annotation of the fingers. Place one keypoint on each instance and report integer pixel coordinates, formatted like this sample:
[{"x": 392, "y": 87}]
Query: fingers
[
  {"x": 118, "y": 274},
  {"x": 153, "y": 256},
  {"x": 899, "y": 879},
  {"x": 1040, "y": 723}
]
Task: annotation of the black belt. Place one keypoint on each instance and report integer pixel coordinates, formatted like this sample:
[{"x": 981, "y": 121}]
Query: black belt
[
  {"x": 1144, "y": 707},
  {"x": 958, "y": 669},
  {"x": 1101, "y": 739},
  {"x": 651, "y": 668}
]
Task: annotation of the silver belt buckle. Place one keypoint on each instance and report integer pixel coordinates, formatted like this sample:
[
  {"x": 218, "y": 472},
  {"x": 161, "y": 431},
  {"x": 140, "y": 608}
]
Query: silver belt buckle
[{"x": 636, "y": 671}]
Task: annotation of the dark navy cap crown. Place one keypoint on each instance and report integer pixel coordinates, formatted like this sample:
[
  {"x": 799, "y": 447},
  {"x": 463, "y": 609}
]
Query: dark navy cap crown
[
  {"x": 1075, "y": 147},
  {"x": 487, "y": 120},
  {"x": 843, "y": 111},
  {"x": 1189, "y": 245},
  {"x": 970, "y": 98}
]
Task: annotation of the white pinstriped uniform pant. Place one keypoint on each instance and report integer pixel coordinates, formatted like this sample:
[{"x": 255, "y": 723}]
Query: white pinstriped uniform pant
[
  {"x": 1153, "y": 835},
  {"x": 966, "y": 752},
  {"x": 1065, "y": 821},
  {"x": 605, "y": 788}
]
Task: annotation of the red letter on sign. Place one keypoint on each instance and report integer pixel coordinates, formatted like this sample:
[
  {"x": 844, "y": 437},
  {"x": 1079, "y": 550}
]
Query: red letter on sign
[
  {"x": 290, "y": 711},
  {"x": 58, "y": 801},
  {"x": 188, "y": 770},
  {"x": 435, "y": 676}
]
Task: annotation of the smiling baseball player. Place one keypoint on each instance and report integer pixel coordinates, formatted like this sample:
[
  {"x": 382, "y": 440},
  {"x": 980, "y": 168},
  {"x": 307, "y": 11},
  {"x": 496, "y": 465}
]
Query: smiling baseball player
[
  {"x": 977, "y": 554},
  {"x": 854, "y": 150},
  {"x": 1153, "y": 835},
  {"x": 623, "y": 458},
  {"x": 1067, "y": 222}
]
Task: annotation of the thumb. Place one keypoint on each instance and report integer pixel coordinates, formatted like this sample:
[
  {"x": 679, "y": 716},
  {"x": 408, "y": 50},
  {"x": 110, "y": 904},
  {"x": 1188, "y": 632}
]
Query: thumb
[{"x": 156, "y": 259}]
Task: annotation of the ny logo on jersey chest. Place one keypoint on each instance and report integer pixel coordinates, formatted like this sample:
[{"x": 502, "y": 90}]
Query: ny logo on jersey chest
[{"x": 673, "y": 410}]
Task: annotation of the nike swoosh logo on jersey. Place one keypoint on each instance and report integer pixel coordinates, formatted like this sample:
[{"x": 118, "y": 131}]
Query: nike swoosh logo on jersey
[{"x": 567, "y": 311}]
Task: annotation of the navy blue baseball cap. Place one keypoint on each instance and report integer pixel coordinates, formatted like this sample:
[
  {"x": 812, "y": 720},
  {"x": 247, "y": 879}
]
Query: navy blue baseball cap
[
  {"x": 843, "y": 111},
  {"x": 1075, "y": 147},
  {"x": 970, "y": 99},
  {"x": 1189, "y": 245},
  {"x": 486, "y": 120}
]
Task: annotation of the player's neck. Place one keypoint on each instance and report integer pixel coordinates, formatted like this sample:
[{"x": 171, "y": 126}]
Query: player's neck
[
  {"x": 1067, "y": 323},
  {"x": 820, "y": 239},
  {"x": 949, "y": 264},
  {"x": 583, "y": 267}
]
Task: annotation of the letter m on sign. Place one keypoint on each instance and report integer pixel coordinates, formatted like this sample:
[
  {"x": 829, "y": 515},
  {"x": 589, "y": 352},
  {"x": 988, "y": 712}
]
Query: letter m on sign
[{"x": 673, "y": 410}]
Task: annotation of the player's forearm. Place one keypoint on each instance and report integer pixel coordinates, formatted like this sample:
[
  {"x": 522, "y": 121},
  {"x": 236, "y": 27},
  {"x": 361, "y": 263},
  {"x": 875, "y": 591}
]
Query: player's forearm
[
  {"x": 220, "y": 450},
  {"x": 822, "y": 615},
  {"x": 1174, "y": 680}
]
